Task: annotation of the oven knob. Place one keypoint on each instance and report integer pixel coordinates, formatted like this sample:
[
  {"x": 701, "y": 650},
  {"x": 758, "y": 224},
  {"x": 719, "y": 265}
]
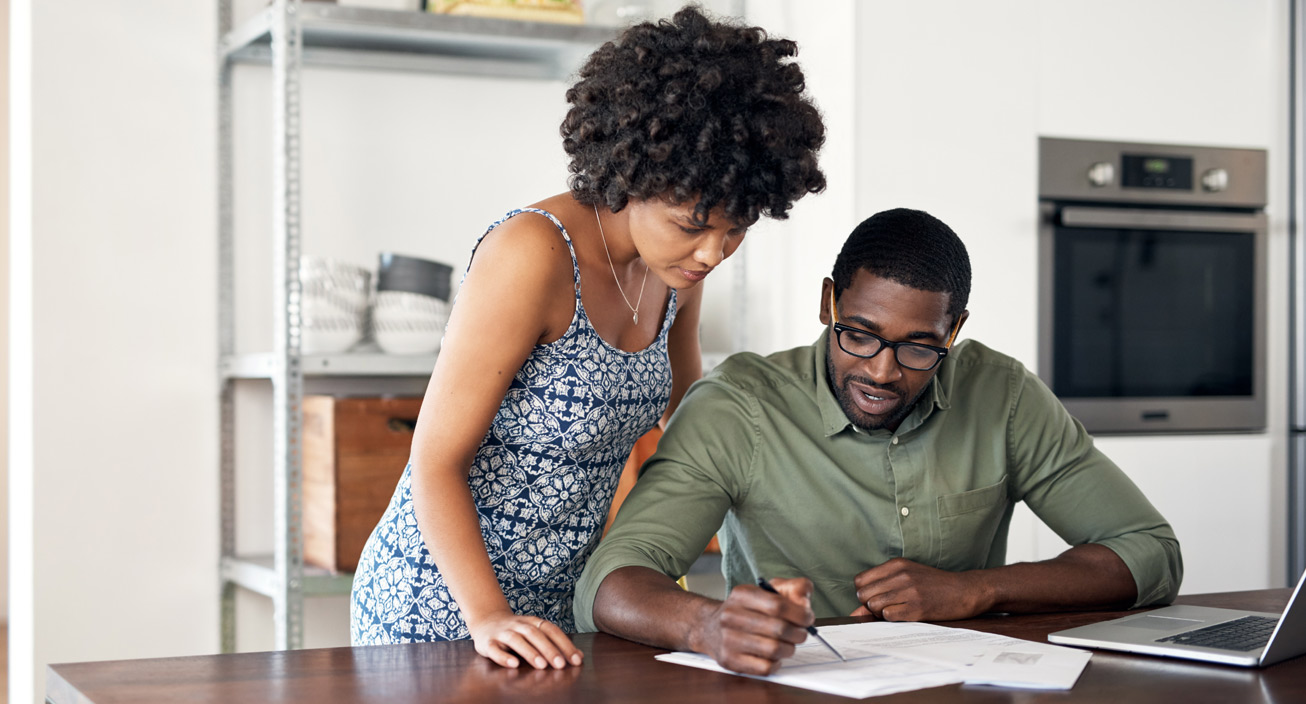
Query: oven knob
[
  {"x": 1101, "y": 174},
  {"x": 1215, "y": 180}
]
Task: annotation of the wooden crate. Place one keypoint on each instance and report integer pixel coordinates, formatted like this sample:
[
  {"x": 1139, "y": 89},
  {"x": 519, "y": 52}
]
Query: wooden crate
[{"x": 355, "y": 450}]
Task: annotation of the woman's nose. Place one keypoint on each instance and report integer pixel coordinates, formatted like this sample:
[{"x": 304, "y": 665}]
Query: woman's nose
[{"x": 712, "y": 251}]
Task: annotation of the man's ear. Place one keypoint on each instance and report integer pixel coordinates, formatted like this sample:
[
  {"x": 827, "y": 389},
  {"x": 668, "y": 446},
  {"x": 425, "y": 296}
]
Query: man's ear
[{"x": 827, "y": 286}]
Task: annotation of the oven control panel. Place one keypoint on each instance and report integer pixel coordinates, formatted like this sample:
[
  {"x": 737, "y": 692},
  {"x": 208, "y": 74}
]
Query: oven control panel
[{"x": 1126, "y": 172}]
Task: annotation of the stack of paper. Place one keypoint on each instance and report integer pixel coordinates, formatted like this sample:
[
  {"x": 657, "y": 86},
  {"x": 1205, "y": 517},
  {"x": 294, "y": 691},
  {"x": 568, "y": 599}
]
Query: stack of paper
[{"x": 883, "y": 658}]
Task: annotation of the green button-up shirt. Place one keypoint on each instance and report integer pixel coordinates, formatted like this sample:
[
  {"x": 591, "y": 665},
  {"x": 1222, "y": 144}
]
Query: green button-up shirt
[{"x": 761, "y": 450}]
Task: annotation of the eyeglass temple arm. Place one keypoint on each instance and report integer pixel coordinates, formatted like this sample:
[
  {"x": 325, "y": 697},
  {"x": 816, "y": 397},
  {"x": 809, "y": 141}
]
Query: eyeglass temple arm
[{"x": 955, "y": 329}]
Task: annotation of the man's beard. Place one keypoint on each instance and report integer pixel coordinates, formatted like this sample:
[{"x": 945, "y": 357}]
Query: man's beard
[{"x": 854, "y": 414}]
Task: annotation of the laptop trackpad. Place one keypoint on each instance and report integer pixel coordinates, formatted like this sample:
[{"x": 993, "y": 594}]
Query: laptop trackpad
[{"x": 1160, "y": 623}]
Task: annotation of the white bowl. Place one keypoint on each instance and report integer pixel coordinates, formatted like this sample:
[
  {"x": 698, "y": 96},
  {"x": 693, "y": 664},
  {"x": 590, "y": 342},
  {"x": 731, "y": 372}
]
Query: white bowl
[
  {"x": 402, "y": 320},
  {"x": 345, "y": 285},
  {"x": 313, "y": 341},
  {"x": 408, "y": 341},
  {"x": 408, "y": 323},
  {"x": 415, "y": 303},
  {"x": 327, "y": 330},
  {"x": 330, "y": 307}
]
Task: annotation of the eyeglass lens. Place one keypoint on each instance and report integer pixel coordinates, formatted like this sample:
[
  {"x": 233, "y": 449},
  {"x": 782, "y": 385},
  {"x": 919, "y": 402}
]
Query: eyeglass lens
[{"x": 909, "y": 355}]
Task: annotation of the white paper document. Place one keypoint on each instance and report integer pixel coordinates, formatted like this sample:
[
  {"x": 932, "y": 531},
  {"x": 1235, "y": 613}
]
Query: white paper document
[
  {"x": 883, "y": 658},
  {"x": 1029, "y": 665},
  {"x": 865, "y": 674}
]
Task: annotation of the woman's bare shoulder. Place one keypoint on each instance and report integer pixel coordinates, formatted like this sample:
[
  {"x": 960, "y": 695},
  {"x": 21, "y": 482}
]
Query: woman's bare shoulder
[{"x": 527, "y": 242}]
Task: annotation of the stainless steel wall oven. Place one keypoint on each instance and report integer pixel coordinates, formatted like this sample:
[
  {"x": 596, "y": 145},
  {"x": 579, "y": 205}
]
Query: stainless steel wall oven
[{"x": 1152, "y": 262}]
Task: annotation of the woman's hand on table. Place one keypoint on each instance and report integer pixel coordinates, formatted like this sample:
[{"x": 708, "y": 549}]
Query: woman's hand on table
[{"x": 509, "y": 640}]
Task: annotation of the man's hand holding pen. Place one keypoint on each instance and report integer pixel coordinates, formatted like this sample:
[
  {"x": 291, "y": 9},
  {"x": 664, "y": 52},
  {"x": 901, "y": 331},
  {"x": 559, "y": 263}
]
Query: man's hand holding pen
[{"x": 753, "y": 629}]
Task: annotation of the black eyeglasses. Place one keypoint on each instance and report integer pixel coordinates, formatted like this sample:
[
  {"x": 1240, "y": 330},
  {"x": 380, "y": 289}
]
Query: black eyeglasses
[{"x": 866, "y": 344}]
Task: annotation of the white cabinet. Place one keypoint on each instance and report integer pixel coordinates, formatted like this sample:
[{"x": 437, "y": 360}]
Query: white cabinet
[{"x": 1219, "y": 493}]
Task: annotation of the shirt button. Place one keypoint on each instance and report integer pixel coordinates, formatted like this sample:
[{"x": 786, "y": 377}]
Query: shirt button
[
  {"x": 894, "y": 440},
  {"x": 905, "y": 510}
]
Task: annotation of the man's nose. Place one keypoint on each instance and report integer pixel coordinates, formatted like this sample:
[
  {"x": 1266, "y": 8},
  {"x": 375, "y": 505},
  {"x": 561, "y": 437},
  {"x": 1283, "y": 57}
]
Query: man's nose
[{"x": 883, "y": 368}]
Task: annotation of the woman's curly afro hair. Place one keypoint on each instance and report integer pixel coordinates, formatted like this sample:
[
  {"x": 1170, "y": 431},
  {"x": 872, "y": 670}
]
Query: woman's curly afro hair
[{"x": 693, "y": 108}]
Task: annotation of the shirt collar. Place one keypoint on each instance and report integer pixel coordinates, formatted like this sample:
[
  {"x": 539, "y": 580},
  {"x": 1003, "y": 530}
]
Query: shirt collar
[{"x": 834, "y": 420}]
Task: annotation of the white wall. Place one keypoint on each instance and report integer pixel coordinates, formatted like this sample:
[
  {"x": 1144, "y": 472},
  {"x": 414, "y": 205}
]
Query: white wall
[
  {"x": 786, "y": 260},
  {"x": 4, "y": 307},
  {"x": 938, "y": 106},
  {"x": 113, "y": 379}
]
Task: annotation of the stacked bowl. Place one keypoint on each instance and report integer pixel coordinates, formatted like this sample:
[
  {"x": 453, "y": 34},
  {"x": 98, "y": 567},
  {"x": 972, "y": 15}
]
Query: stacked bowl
[
  {"x": 412, "y": 304},
  {"x": 334, "y": 311}
]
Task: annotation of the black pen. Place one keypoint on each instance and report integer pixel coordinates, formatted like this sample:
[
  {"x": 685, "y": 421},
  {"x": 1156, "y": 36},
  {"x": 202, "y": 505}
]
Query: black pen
[{"x": 761, "y": 582}]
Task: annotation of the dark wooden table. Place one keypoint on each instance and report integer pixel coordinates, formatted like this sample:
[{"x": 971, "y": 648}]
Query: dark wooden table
[{"x": 616, "y": 670}]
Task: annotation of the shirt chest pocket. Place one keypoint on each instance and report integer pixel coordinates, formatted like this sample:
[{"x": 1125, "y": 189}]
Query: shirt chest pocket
[{"x": 968, "y": 524}]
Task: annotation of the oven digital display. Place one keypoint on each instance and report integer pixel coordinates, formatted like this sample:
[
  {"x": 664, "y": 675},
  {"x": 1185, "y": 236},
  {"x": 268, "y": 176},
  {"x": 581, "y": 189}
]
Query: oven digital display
[{"x": 1151, "y": 171}]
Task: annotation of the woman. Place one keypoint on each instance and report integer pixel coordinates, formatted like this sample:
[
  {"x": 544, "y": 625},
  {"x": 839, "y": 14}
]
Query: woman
[{"x": 681, "y": 134}]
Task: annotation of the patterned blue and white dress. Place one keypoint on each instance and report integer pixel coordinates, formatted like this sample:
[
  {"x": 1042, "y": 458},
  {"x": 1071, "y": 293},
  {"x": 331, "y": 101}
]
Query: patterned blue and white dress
[{"x": 542, "y": 480}]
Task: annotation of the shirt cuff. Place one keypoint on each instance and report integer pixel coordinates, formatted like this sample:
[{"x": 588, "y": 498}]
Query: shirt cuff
[
  {"x": 1154, "y": 562},
  {"x": 587, "y": 588}
]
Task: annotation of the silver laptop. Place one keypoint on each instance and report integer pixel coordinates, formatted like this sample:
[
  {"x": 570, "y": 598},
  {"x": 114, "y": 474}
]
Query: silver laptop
[{"x": 1229, "y": 636}]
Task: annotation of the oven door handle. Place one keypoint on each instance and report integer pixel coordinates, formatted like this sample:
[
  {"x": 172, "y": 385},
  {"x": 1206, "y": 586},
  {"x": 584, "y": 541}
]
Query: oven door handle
[{"x": 1074, "y": 216}]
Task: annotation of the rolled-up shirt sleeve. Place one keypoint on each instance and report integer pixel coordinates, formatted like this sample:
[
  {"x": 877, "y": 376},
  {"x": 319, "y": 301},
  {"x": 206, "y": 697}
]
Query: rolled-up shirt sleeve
[
  {"x": 1084, "y": 497},
  {"x": 683, "y": 493}
]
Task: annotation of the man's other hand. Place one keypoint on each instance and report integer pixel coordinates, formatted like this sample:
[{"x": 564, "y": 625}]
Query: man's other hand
[{"x": 902, "y": 590}]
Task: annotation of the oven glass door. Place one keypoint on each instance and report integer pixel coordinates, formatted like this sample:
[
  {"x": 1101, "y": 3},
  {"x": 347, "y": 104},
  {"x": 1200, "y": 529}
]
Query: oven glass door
[
  {"x": 1152, "y": 319},
  {"x": 1145, "y": 313}
]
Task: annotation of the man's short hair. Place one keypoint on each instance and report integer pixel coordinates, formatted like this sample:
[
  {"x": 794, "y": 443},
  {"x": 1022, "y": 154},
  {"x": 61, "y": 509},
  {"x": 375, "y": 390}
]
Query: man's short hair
[{"x": 912, "y": 248}]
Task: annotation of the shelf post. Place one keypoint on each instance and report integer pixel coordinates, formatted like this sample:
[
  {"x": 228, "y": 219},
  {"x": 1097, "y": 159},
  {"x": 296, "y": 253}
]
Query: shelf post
[
  {"x": 226, "y": 336},
  {"x": 288, "y": 382}
]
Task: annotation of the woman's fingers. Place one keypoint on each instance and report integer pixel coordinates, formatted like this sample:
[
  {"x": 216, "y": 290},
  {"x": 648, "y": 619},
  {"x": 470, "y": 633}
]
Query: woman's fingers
[
  {"x": 512, "y": 640},
  {"x": 541, "y": 644},
  {"x": 564, "y": 645},
  {"x": 517, "y": 641},
  {"x": 499, "y": 655},
  {"x": 544, "y": 644}
]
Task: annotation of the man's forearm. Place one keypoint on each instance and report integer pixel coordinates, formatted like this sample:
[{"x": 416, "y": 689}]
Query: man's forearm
[
  {"x": 648, "y": 607},
  {"x": 1085, "y": 576}
]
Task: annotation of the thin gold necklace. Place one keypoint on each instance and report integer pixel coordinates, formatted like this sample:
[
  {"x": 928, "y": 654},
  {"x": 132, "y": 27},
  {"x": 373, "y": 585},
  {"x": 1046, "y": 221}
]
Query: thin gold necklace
[{"x": 635, "y": 308}]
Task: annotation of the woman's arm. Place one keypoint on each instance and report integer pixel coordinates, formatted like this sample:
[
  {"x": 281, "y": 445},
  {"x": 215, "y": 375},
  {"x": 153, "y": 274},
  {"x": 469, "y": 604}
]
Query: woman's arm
[
  {"x": 516, "y": 293},
  {"x": 683, "y": 348}
]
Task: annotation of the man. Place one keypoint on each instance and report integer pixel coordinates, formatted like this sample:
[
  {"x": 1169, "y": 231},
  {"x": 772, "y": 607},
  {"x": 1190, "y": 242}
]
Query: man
[{"x": 872, "y": 473}]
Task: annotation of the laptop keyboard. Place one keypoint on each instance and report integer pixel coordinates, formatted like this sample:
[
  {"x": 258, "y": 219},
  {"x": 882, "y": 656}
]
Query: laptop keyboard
[{"x": 1243, "y": 634}]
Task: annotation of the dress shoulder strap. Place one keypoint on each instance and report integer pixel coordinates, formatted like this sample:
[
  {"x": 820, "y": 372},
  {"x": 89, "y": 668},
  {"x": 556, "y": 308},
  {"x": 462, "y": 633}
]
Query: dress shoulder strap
[{"x": 575, "y": 266}]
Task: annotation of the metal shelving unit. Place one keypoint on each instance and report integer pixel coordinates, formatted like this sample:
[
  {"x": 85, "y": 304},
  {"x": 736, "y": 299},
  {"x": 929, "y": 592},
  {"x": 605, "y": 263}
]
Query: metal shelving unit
[{"x": 289, "y": 35}]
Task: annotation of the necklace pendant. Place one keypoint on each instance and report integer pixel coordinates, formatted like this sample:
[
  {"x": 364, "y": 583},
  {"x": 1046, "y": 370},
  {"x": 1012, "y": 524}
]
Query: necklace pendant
[{"x": 636, "y": 317}]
